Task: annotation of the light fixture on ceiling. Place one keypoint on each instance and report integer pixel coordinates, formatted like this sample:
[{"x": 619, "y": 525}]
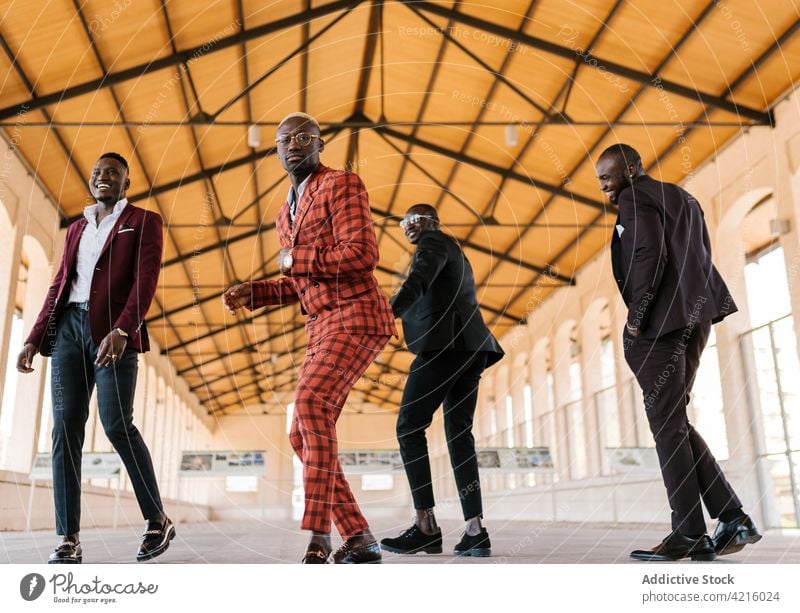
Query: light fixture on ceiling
[
  {"x": 511, "y": 135},
  {"x": 254, "y": 136}
]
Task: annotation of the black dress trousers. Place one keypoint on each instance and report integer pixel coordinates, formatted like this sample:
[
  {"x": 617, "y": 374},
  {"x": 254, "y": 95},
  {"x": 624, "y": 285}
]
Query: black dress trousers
[
  {"x": 450, "y": 378},
  {"x": 665, "y": 368}
]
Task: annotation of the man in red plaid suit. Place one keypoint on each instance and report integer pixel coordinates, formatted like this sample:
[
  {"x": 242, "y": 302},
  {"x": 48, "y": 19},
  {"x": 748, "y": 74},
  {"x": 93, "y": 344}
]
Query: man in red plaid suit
[{"x": 328, "y": 255}]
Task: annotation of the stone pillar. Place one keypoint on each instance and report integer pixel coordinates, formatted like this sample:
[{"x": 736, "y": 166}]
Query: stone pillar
[
  {"x": 787, "y": 196},
  {"x": 10, "y": 249},
  {"x": 562, "y": 396},
  {"x": 591, "y": 382},
  {"x": 538, "y": 367},
  {"x": 501, "y": 392},
  {"x": 25, "y": 418},
  {"x": 743, "y": 420},
  {"x": 633, "y": 426},
  {"x": 518, "y": 381}
]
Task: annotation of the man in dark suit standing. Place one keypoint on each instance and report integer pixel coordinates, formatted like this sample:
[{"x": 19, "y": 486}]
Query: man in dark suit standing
[
  {"x": 442, "y": 324},
  {"x": 92, "y": 327},
  {"x": 661, "y": 258}
]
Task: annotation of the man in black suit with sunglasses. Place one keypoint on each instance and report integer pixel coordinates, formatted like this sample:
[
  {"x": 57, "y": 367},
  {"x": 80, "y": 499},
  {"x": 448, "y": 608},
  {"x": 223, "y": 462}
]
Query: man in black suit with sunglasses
[{"x": 442, "y": 324}]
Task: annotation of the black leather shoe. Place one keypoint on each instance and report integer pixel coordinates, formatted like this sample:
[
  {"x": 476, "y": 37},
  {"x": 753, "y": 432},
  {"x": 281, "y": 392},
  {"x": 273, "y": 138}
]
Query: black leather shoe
[
  {"x": 155, "y": 539},
  {"x": 356, "y": 554},
  {"x": 478, "y": 546},
  {"x": 315, "y": 555},
  {"x": 414, "y": 540},
  {"x": 732, "y": 536},
  {"x": 677, "y": 547},
  {"x": 67, "y": 552}
]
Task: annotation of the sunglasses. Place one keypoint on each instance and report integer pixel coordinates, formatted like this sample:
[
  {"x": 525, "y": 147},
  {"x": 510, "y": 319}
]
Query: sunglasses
[
  {"x": 413, "y": 219},
  {"x": 301, "y": 138}
]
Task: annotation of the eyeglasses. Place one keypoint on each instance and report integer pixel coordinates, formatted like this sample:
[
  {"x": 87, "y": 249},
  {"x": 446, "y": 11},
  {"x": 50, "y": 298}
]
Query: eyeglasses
[
  {"x": 413, "y": 220},
  {"x": 301, "y": 138}
]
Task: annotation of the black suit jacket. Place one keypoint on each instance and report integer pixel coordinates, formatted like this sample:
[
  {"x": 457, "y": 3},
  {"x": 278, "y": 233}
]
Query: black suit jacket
[
  {"x": 661, "y": 258},
  {"x": 437, "y": 302}
]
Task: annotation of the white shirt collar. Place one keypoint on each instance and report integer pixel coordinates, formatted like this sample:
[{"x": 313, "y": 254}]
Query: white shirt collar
[
  {"x": 300, "y": 189},
  {"x": 90, "y": 212}
]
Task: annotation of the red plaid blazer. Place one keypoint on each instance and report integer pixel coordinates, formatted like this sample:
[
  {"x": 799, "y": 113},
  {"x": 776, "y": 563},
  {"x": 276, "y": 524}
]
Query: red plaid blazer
[{"x": 334, "y": 251}]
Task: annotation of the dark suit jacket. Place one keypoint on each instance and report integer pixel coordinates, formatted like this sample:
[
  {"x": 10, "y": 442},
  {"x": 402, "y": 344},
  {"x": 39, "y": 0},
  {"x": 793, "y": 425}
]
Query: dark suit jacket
[
  {"x": 661, "y": 258},
  {"x": 437, "y": 301},
  {"x": 123, "y": 284},
  {"x": 335, "y": 254}
]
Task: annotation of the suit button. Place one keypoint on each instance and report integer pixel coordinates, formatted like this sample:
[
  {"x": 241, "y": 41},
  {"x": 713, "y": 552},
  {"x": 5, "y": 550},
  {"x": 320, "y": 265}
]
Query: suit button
[
  {"x": 316, "y": 284},
  {"x": 313, "y": 318}
]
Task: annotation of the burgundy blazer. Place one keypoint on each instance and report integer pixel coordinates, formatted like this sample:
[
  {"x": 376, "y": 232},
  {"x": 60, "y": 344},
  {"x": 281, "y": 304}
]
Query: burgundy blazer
[
  {"x": 335, "y": 253},
  {"x": 123, "y": 284}
]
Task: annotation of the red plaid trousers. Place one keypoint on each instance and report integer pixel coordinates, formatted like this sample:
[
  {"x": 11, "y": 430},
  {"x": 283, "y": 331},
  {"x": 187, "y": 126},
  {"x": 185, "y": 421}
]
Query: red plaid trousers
[{"x": 331, "y": 367}]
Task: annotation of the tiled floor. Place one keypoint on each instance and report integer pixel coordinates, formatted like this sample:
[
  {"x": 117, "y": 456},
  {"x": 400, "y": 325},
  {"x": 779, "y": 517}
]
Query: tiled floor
[{"x": 271, "y": 543}]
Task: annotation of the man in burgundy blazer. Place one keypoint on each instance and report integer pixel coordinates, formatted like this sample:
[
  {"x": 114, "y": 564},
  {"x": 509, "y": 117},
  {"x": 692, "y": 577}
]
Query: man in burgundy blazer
[
  {"x": 328, "y": 255},
  {"x": 92, "y": 327}
]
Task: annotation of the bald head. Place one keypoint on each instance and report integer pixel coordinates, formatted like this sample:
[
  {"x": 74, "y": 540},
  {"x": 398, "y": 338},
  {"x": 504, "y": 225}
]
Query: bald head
[
  {"x": 623, "y": 154},
  {"x": 617, "y": 167}
]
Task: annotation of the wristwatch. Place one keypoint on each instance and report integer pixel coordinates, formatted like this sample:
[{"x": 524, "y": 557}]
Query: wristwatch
[
  {"x": 121, "y": 332},
  {"x": 287, "y": 261}
]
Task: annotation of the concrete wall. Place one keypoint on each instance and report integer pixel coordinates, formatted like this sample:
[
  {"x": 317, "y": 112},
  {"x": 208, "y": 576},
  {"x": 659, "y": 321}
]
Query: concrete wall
[{"x": 99, "y": 508}]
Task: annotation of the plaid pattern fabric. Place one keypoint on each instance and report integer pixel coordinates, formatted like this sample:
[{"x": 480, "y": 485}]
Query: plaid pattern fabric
[
  {"x": 331, "y": 368},
  {"x": 334, "y": 251},
  {"x": 349, "y": 322}
]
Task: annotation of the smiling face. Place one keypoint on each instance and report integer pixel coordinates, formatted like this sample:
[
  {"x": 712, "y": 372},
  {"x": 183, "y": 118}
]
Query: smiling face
[
  {"x": 416, "y": 221},
  {"x": 613, "y": 176},
  {"x": 109, "y": 181},
  {"x": 298, "y": 158}
]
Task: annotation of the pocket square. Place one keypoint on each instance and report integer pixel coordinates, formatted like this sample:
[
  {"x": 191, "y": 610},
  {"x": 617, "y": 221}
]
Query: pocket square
[
  {"x": 125, "y": 229},
  {"x": 620, "y": 229}
]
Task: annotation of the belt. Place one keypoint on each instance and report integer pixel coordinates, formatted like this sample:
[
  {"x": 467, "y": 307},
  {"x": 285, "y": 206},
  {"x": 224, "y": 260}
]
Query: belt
[{"x": 83, "y": 306}]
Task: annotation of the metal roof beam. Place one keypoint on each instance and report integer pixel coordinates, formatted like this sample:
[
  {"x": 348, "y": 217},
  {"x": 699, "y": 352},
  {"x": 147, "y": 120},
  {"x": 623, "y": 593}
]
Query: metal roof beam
[
  {"x": 650, "y": 80},
  {"x": 473, "y": 161},
  {"x": 175, "y": 59}
]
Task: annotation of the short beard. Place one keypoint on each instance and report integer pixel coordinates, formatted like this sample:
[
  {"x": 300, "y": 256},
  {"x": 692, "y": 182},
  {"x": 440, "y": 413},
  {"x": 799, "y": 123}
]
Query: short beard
[{"x": 110, "y": 200}]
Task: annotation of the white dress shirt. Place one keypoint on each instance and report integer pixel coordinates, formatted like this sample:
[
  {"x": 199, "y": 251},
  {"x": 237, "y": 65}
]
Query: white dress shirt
[
  {"x": 92, "y": 240},
  {"x": 294, "y": 200}
]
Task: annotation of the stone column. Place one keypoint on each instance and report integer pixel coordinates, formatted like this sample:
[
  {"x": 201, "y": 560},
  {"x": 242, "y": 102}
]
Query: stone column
[{"x": 26, "y": 415}]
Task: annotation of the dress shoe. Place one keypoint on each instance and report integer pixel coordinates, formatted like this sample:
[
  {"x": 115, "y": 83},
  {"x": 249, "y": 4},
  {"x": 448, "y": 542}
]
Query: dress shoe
[
  {"x": 67, "y": 552},
  {"x": 478, "y": 546},
  {"x": 677, "y": 547},
  {"x": 155, "y": 539},
  {"x": 732, "y": 536},
  {"x": 414, "y": 540},
  {"x": 349, "y": 553},
  {"x": 315, "y": 554}
]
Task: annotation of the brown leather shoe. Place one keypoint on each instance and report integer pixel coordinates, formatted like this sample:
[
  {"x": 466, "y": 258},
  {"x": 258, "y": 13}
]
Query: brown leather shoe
[
  {"x": 677, "y": 547},
  {"x": 349, "y": 553}
]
